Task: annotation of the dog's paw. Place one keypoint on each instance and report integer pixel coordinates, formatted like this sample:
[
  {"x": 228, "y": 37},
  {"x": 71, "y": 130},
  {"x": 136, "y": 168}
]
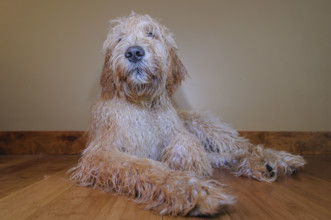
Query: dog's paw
[
  {"x": 269, "y": 174},
  {"x": 211, "y": 200},
  {"x": 265, "y": 173},
  {"x": 257, "y": 169},
  {"x": 289, "y": 163}
]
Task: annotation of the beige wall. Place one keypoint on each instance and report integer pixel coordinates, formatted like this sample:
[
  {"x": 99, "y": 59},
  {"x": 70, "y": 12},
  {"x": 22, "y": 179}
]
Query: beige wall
[{"x": 260, "y": 65}]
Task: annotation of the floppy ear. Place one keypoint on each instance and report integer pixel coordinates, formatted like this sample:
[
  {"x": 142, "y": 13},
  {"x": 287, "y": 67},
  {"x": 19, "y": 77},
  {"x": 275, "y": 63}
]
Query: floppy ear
[
  {"x": 176, "y": 72},
  {"x": 106, "y": 81}
]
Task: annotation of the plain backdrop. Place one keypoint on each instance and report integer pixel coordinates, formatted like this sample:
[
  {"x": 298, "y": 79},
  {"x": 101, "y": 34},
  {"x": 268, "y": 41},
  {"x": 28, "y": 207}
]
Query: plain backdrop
[{"x": 259, "y": 64}]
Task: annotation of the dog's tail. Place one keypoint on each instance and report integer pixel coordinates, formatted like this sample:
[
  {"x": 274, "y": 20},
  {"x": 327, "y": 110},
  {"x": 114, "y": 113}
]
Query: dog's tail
[{"x": 152, "y": 183}]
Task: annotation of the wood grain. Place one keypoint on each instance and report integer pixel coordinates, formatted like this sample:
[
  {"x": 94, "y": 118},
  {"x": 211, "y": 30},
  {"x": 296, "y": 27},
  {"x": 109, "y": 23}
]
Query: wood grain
[
  {"x": 73, "y": 142},
  {"x": 19, "y": 175},
  {"x": 305, "y": 143},
  {"x": 46, "y": 193},
  {"x": 42, "y": 142}
]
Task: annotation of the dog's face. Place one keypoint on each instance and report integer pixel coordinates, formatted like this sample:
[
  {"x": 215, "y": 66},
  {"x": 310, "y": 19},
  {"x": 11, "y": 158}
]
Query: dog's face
[{"x": 141, "y": 60}]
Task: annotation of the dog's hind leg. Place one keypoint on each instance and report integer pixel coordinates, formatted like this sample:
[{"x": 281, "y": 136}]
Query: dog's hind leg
[
  {"x": 150, "y": 182},
  {"x": 225, "y": 148},
  {"x": 218, "y": 139}
]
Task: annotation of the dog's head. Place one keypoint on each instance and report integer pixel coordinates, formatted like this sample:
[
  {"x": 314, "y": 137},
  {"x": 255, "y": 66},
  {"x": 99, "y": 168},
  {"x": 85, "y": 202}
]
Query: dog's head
[{"x": 141, "y": 60}]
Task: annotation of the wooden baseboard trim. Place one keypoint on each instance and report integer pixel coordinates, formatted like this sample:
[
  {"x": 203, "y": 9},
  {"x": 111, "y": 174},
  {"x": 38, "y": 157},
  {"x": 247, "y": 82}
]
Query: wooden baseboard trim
[
  {"x": 73, "y": 142},
  {"x": 304, "y": 143},
  {"x": 42, "y": 142}
]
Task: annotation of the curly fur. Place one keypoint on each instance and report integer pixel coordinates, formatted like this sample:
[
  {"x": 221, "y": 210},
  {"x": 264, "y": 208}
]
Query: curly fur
[{"x": 141, "y": 146}]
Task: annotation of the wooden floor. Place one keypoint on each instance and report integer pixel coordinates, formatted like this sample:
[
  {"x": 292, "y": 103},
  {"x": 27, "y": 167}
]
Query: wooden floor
[{"x": 36, "y": 187}]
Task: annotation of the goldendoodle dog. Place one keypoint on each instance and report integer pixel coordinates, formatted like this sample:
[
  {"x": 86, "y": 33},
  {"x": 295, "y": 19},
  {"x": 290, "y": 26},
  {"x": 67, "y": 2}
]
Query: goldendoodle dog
[{"x": 142, "y": 147}]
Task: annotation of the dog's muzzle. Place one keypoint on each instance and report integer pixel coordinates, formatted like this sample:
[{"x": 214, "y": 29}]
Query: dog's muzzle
[{"x": 134, "y": 54}]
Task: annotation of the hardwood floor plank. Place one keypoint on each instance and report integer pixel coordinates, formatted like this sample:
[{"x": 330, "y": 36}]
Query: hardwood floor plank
[
  {"x": 123, "y": 208},
  {"x": 87, "y": 203},
  {"x": 74, "y": 203},
  {"x": 23, "y": 203},
  {"x": 25, "y": 172},
  {"x": 10, "y": 160}
]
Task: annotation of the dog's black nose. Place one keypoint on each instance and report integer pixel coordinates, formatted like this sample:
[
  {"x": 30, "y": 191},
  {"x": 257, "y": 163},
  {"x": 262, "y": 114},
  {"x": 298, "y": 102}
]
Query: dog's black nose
[{"x": 134, "y": 53}]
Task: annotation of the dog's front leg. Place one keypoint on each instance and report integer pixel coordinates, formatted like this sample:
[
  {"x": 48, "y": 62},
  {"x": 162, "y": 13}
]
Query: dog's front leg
[
  {"x": 149, "y": 182},
  {"x": 184, "y": 152}
]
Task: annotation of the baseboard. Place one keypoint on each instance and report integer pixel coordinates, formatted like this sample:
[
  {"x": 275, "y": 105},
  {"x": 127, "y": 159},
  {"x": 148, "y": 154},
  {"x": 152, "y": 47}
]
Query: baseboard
[
  {"x": 73, "y": 142},
  {"x": 304, "y": 143},
  {"x": 42, "y": 142}
]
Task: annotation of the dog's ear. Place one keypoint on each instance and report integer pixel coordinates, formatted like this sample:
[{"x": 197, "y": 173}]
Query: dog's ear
[
  {"x": 176, "y": 72},
  {"x": 106, "y": 81}
]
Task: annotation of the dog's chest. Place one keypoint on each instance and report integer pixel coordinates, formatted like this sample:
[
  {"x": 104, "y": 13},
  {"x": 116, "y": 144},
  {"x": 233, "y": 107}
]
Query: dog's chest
[{"x": 144, "y": 133}]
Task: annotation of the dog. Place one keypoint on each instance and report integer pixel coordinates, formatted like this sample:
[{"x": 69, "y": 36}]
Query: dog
[{"x": 141, "y": 146}]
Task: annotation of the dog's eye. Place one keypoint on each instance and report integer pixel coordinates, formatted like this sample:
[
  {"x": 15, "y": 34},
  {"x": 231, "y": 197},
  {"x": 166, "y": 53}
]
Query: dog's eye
[
  {"x": 119, "y": 40},
  {"x": 150, "y": 34}
]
